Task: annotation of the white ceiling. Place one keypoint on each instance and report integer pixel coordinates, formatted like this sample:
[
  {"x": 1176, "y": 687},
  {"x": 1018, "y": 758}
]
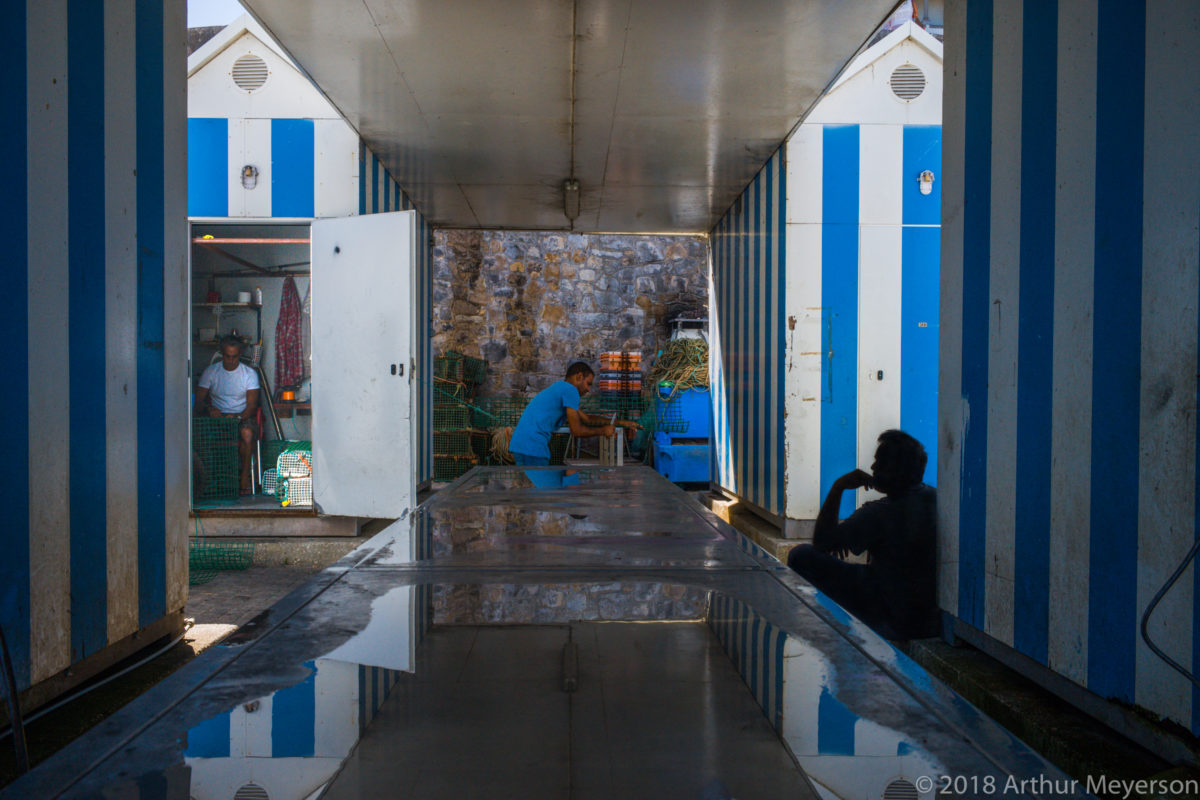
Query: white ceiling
[{"x": 676, "y": 103}]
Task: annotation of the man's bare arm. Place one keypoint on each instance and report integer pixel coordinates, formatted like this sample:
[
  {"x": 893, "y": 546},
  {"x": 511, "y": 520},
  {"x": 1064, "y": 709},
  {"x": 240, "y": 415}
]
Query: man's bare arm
[{"x": 578, "y": 422}]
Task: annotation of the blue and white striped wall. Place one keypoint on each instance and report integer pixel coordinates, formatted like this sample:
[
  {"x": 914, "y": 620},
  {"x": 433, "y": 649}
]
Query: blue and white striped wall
[
  {"x": 291, "y": 742},
  {"x": 306, "y": 167},
  {"x": 755, "y": 647},
  {"x": 379, "y": 192},
  {"x": 1070, "y": 284},
  {"x": 863, "y": 273},
  {"x": 93, "y": 482},
  {"x": 305, "y": 153},
  {"x": 798, "y": 689},
  {"x": 747, "y": 339},
  {"x": 825, "y": 292}
]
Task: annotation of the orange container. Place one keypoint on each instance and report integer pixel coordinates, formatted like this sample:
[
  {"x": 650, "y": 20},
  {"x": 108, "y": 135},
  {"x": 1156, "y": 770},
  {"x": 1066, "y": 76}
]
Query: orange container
[{"x": 287, "y": 396}]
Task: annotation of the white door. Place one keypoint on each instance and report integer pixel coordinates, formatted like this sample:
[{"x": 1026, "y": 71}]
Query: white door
[{"x": 362, "y": 293}]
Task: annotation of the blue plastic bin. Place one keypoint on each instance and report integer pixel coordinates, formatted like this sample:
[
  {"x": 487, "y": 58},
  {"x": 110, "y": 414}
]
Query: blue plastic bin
[
  {"x": 681, "y": 463},
  {"x": 695, "y": 406}
]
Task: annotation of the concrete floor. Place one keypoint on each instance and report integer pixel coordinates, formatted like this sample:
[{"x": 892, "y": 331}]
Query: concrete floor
[
  {"x": 487, "y": 707},
  {"x": 346, "y": 674}
]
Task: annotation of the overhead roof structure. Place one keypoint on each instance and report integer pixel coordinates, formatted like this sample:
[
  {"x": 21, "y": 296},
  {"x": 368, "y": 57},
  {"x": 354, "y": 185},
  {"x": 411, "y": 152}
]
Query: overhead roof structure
[{"x": 663, "y": 110}]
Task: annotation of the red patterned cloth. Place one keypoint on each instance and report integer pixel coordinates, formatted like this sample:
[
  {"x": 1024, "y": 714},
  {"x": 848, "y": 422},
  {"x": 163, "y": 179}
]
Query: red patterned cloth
[{"x": 289, "y": 339}]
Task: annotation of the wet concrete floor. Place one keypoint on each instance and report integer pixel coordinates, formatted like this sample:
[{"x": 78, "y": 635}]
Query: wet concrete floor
[{"x": 545, "y": 633}]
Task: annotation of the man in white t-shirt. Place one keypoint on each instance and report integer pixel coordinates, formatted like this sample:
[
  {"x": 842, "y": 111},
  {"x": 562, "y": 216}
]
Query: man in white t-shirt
[{"x": 230, "y": 389}]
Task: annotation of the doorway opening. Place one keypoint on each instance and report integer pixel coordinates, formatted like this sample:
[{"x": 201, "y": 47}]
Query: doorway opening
[{"x": 249, "y": 286}]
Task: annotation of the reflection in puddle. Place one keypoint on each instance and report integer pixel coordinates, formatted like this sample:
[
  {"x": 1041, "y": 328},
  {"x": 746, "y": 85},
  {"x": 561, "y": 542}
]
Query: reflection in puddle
[
  {"x": 523, "y": 604},
  {"x": 434, "y": 662}
]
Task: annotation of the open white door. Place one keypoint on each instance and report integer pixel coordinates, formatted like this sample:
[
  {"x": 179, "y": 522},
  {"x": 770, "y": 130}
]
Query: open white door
[{"x": 362, "y": 295}]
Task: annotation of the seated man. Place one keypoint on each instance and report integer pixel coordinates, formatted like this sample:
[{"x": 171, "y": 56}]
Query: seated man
[
  {"x": 230, "y": 389},
  {"x": 895, "y": 592},
  {"x": 530, "y": 445}
]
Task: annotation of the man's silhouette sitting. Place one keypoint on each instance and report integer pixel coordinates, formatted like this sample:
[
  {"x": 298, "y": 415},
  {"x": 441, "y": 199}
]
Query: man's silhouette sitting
[{"x": 895, "y": 592}]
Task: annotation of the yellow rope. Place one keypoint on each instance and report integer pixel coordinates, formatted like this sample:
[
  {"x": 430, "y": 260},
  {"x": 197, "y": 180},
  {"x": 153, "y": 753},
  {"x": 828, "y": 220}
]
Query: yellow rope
[{"x": 682, "y": 363}]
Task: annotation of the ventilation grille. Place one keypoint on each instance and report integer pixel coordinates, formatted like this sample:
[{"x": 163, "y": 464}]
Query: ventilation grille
[
  {"x": 252, "y": 791},
  {"x": 908, "y": 82},
  {"x": 901, "y": 789},
  {"x": 250, "y": 73}
]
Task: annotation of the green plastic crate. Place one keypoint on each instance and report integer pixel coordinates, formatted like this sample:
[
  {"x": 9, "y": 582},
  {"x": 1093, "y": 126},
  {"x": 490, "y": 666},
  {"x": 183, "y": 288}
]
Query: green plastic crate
[
  {"x": 451, "y": 416},
  {"x": 457, "y": 367},
  {"x": 452, "y": 443},
  {"x": 214, "y": 460},
  {"x": 497, "y": 412},
  {"x": 449, "y": 468}
]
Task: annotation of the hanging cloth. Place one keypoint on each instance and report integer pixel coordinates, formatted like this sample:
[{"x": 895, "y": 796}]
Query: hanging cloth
[
  {"x": 289, "y": 340},
  {"x": 306, "y": 331}
]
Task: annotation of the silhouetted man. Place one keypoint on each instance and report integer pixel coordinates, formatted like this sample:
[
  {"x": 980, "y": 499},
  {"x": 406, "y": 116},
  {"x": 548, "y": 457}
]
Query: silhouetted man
[{"x": 895, "y": 592}]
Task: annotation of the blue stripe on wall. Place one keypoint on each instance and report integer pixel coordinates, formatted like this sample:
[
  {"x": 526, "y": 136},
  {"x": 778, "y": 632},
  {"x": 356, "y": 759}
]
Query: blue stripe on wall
[
  {"x": 14, "y": 332},
  {"x": 839, "y": 304},
  {"x": 151, "y": 402},
  {"x": 293, "y": 165},
  {"x": 1039, "y": 101},
  {"x": 922, "y": 151},
  {"x": 363, "y": 715},
  {"x": 293, "y": 718},
  {"x": 209, "y": 739},
  {"x": 1116, "y": 382},
  {"x": 835, "y": 726},
  {"x": 920, "y": 284},
  {"x": 86, "y": 349},
  {"x": 976, "y": 310},
  {"x": 208, "y": 166},
  {"x": 362, "y": 177},
  {"x": 757, "y": 380},
  {"x": 920, "y": 279}
]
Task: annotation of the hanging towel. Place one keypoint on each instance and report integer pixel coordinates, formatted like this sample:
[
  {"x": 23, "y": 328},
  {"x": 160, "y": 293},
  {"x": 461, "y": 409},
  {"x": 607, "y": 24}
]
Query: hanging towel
[
  {"x": 306, "y": 332},
  {"x": 289, "y": 340}
]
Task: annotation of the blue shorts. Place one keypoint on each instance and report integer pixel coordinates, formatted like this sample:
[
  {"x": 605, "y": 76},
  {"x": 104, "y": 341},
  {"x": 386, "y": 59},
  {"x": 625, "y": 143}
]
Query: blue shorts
[{"x": 530, "y": 461}]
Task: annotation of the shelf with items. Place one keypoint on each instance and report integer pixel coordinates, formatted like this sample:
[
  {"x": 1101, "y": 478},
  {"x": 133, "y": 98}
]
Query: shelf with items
[
  {"x": 292, "y": 408},
  {"x": 219, "y": 310}
]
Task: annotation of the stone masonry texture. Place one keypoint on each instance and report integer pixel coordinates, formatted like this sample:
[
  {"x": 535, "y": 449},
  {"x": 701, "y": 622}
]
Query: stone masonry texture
[{"x": 531, "y": 302}]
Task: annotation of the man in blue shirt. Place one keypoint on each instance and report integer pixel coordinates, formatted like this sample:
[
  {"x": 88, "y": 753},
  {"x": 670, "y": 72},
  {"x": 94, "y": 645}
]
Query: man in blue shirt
[{"x": 550, "y": 409}]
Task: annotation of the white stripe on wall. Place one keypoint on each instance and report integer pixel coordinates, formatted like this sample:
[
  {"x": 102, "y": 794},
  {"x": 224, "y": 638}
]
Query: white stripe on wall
[
  {"x": 953, "y": 415},
  {"x": 805, "y": 165},
  {"x": 879, "y": 290},
  {"x": 120, "y": 164},
  {"x": 1074, "y": 243},
  {"x": 1004, "y": 310},
  {"x": 49, "y": 384},
  {"x": 880, "y": 175},
  {"x": 256, "y": 134},
  {"x": 1171, "y": 238},
  {"x": 335, "y": 173}
]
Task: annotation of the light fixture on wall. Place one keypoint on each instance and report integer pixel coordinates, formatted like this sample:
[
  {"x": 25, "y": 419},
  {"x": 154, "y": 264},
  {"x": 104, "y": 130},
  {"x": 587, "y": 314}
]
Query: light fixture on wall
[
  {"x": 249, "y": 176},
  {"x": 571, "y": 198},
  {"x": 926, "y": 182}
]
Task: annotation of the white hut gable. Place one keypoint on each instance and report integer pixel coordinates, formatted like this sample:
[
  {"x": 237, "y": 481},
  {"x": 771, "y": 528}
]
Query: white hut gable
[
  {"x": 865, "y": 93},
  {"x": 242, "y": 74}
]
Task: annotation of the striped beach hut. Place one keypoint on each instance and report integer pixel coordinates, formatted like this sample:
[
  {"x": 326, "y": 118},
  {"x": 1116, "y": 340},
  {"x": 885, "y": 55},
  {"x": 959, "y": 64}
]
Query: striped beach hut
[{"x": 825, "y": 289}]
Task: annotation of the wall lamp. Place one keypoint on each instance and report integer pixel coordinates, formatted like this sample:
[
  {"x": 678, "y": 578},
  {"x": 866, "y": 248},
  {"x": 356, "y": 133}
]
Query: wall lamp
[{"x": 571, "y": 198}]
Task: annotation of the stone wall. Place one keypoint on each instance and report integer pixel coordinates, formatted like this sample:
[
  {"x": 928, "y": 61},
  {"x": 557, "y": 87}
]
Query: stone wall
[{"x": 532, "y": 302}]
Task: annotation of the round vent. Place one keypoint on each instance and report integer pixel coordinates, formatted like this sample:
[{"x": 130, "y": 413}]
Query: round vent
[
  {"x": 901, "y": 789},
  {"x": 252, "y": 791},
  {"x": 908, "y": 82},
  {"x": 250, "y": 72}
]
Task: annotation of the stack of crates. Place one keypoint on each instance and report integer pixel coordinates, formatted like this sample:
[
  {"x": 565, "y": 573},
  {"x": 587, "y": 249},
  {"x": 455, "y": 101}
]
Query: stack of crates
[
  {"x": 457, "y": 444},
  {"x": 620, "y": 376}
]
